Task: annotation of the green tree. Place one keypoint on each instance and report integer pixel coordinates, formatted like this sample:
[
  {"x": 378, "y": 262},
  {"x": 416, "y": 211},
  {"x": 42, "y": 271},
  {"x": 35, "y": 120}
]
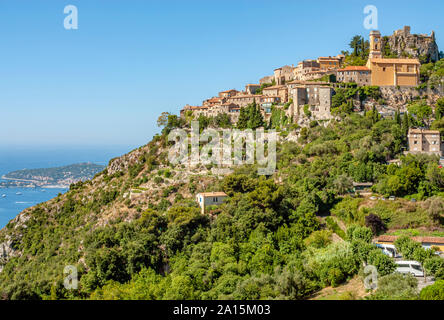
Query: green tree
[
  {"x": 356, "y": 44},
  {"x": 439, "y": 110},
  {"x": 433, "y": 292},
  {"x": 422, "y": 112}
]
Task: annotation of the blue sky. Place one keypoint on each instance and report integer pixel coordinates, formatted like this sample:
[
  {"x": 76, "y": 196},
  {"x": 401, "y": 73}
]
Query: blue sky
[{"x": 107, "y": 82}]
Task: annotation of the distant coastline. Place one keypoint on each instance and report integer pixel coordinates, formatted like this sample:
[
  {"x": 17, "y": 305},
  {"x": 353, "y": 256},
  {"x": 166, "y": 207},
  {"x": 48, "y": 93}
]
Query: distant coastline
[{"x": 50, "y": 178}]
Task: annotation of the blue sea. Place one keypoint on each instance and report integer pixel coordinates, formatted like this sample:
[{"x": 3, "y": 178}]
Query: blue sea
[{"x": 17, "y": 158}]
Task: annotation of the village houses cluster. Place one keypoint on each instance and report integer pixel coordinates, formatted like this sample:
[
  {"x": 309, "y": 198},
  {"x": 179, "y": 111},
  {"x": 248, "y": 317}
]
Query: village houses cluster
[
  {"x": 295, "y": 88},
  {"x": 298, "y": 86}
]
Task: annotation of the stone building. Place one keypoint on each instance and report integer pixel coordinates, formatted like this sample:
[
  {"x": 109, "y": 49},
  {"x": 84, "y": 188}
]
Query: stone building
[
  {"x": 305, "y": 67},
  {"x": 267, "y": 101},
  {"x": 424, "y": 141},
  {"x": 356, "y": 74},
  {"x": 283, "y": 74},
  {"x": 213, "y": 101},
  {"x": 252, "y": 88},
  {"x": 196, "y": 110},
  {"x": 316, "y": 95},
  {"x": 266, "y": 79},
  {"x": 243, "y": 100},
  {"x": 390, "y": 72},
  {"x": 228, "y": 93},
  {"x": 328, "y": 63},
  {"x": 277, "y": 91}
]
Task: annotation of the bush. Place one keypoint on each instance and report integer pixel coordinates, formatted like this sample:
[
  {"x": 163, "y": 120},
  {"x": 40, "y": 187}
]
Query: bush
[
  {"x": 433, "y": 292},
  {"x": 375, "y": 223},
  {"x": 396, "y": 286}
]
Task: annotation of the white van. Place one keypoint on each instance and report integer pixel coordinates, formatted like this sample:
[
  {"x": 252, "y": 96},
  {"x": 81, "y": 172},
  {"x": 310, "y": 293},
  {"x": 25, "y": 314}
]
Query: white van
[
  {"x": 412, "y": 267},
  {"x": 389, "y": 250}
]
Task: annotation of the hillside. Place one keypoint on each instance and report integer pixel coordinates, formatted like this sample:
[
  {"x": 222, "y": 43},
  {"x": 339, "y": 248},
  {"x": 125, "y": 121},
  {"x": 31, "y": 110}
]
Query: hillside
[
  {"x": 53, "y": 177},
  {"x": 135, "y": 230}
]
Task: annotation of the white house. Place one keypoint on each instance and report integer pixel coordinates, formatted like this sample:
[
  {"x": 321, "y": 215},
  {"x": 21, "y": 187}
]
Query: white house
[{"x": 210, "y": 199}]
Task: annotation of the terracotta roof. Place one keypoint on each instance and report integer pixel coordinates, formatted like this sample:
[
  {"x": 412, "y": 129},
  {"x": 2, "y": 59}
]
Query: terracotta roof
[
  {"x": 194, "y": 107},
  {"x": 329, "y": 58},
  {"x": 245, "y": 96},
  {"x": 424, "y": 131},
  {"x": 300, "y": 82},
  {"x": 214, "y": 99},
  {"x": 274, "y": 87},
  {"x": 383, "y": 60},
  {"x": 213, "y": 194},
  {"x": 355, "y": 68},
  {"x": 229, "y": 91},
  {"x": 388, "y": 238}
]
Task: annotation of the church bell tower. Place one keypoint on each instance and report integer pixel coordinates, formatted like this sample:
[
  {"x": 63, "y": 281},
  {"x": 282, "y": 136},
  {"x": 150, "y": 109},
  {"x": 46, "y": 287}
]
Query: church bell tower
[{"x": 375, "y": 44}]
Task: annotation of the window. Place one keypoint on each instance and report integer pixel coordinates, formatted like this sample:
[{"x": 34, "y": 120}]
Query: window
[
  {"x": 416, "y": 267},
  {"x": 214, "y": 199},
  {"x": 383, "y": 69},
  {"x": 415, "y": 142}
]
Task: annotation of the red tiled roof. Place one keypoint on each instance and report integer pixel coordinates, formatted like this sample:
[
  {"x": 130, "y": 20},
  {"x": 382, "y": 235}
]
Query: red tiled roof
[
  {"x": 355, "y": 68},
  {"x": 389, "y": 238}
]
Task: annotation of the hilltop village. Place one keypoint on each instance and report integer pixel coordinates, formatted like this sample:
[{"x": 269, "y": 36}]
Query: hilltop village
[
  {"x": 306, "y": 92},
  {"x": 356, "y": 183}
]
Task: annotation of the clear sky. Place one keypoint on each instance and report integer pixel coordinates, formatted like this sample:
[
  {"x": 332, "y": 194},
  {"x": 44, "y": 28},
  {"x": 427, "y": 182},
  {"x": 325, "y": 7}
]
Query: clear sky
[{"x": 107, "y": 82}]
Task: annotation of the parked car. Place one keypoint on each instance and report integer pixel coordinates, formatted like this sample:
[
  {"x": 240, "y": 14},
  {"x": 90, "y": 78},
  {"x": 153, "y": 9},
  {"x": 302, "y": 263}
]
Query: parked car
[
  {"x": 413, "y": 200},
  {"x": 389, "y": 250},
  {"x": 412, "y": 267},
  {"x": 373, "y": 198},
  {"x": 392, "y": 198},
  {"x": 382, "y": 198}
]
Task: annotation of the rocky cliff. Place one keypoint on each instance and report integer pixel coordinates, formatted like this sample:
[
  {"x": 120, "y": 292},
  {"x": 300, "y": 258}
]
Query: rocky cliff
[{"x": 405, "y": 44}]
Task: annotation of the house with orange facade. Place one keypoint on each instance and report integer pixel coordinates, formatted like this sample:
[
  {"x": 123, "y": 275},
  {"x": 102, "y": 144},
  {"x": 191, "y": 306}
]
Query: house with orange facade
[{"x": 390, "y": 72}]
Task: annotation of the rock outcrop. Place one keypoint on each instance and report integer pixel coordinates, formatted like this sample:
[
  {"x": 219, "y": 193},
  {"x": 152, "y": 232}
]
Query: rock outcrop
[
  {"x": 398, "y": 98},
  {"x": 405, "y": 44}
]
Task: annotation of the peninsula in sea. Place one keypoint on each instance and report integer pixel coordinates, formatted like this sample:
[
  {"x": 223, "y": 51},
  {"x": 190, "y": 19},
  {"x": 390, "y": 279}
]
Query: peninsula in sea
[{"x": 57, "y": 177}]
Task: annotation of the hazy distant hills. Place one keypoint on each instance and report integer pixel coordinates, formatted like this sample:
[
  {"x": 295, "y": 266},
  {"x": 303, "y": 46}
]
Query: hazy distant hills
[{"x": 52, "y": 177}]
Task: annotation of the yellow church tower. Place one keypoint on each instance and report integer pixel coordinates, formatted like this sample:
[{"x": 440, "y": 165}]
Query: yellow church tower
[
  {"x": 390, "y": 72},
  {"x": 375, "y": 44}
]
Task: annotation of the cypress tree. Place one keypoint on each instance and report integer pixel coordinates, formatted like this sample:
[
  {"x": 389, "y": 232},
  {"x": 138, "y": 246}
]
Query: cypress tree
[{"x": 242, "y": 123}]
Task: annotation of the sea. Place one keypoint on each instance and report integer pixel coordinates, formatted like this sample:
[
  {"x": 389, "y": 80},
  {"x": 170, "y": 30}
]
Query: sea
[{"x": 17, "y": 158}]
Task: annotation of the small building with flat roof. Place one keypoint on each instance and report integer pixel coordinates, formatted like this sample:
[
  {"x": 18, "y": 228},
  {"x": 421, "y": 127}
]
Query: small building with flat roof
[{"x": 205, "y": 199}]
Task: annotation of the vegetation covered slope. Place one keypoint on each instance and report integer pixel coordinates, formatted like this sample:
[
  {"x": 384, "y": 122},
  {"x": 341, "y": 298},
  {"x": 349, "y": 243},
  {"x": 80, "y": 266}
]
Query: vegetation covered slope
[{"x": 135, "y": 231}]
